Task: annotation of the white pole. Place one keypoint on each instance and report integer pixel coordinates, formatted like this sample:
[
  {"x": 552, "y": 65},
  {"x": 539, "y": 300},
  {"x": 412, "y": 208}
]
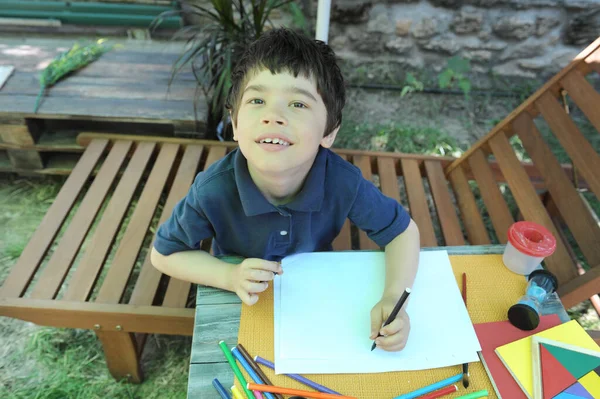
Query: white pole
[{"x": 323, "y": 20}]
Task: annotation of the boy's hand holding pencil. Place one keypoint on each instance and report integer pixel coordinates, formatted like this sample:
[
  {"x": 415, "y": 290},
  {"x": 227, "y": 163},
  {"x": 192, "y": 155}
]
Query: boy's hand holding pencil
[
  {"x": 252, "y": 277},
  {"x": 390, "y": 324}
]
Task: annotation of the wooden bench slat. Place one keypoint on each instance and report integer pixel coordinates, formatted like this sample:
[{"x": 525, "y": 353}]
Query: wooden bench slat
[
  {"x": 364, "y": 163},
  {"x": 559, "y": 263},
  {"x": 446, "y": 211},
  {"x": 579, "y": 149},
  {"x": 114, "y": 284},
  {"x": 580, "y": 288},
  {"x": 343, "y": 241},
  {"x": 35, "y": 250},
  {"x": 593, "y": 60},
  {"x": 417, "y": 201},
  {"x": 149, "y": 277},
  {"x": 177, "y": 290},
  {"x": 491, "y": 195},
  {"x": 567, "y": 200},
  {"x": 55, "y": 272},
  {"x": 388, "y": 178},
  {"x": 584, "y": 96},
  {"x": 85, "y": 276},
  {"x": 476, "y": 231}
]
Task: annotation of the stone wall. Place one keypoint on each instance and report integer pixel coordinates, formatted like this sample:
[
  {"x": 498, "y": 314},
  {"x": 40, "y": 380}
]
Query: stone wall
[{"x": 508, "y": 38}]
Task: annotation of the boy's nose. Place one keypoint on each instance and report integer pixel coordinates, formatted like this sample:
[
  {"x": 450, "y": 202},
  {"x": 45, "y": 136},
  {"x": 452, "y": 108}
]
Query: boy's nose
[{"x": 274, "y": 118}]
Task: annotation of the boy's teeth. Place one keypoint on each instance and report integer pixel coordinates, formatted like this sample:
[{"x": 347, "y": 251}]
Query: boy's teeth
[
  {"x": 275, "y": 141},
  {"x": 267, "y": 140}
]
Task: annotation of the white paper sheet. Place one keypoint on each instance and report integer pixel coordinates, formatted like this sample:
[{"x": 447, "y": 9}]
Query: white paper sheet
[{"x": 322, "y": 306}]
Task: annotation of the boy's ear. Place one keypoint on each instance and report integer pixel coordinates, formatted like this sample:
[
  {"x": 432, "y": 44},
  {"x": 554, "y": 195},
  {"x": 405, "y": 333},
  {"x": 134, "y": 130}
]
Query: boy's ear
[
  {"x": 328, "y": 140},
  {"x": 233, "y": 128}
]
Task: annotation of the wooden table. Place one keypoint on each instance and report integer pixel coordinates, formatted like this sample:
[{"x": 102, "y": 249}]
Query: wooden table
[{"x": 218, "y": 318}]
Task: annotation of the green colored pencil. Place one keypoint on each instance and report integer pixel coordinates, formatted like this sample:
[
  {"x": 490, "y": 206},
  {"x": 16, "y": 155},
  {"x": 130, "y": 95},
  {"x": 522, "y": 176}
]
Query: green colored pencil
[
  {"x": 236, "y": 369},
  {"x": 474, "y": 395}
]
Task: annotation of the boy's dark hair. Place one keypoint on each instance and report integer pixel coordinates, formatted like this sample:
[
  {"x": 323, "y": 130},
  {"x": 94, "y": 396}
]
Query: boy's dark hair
[{"x": 282, "y": 49}]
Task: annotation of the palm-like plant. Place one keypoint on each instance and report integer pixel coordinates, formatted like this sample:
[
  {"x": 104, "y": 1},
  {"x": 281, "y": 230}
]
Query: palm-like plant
[{"x": 212, "y": 48}]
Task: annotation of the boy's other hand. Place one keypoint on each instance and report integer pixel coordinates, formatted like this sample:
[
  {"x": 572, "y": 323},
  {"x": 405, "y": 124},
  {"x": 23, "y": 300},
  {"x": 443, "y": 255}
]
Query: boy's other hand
[
  {"x": 252, "y": 277},
  {"x": 394, "y": 334}
]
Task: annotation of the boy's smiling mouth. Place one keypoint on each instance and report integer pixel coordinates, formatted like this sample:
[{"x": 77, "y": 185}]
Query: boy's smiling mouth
[{"x": 273, "y": 142}]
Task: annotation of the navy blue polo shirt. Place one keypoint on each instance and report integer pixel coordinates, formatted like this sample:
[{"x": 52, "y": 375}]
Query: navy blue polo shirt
[{"x": 225, "y": 204}]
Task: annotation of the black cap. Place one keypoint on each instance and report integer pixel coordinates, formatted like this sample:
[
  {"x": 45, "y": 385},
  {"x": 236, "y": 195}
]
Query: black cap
[{"x": 523, "y": 317}]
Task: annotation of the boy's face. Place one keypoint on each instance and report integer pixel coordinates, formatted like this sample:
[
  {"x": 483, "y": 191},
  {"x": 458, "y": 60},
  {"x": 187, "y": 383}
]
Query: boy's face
[{"x": 286, "y": 110}]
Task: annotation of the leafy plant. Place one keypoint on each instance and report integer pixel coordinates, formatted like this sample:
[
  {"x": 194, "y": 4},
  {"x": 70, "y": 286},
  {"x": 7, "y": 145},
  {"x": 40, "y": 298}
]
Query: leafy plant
[
  {"x": 412, "y": 84},
  {"x": 454, "y": 75},
  {"x": 212, "y": 48},
  {"x": 67, "y": 62}
]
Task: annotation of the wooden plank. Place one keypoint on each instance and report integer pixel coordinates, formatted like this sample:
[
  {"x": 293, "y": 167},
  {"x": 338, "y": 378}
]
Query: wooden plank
[
  {"x": 527, "y": 105},
  {"x": 128, "y": 110},
  {"x": 491, "y": 195},
  {"x": 177, "y": 290},
  {"x": 567, "y": 200},
  {"x": 582, "y": 154},
  {"x": 120, "y": 353},
  {"x": 82, "y": 282},
  {"x": 25, "y": 159},
  {"x": 55, "y": 272},
  {"x": 37, "y": 246},
  {"x": 580, "y": 288},
  {"x": 446, "y": 211},
  {"x": 149, "y": 277},
  {"x": 114, "y": 284},
  {"x": 531, "y": 206},
  {"x": 471, "y": 215},
  {"x": 388, "y": 178},
  {"x": 201, "y": 376},
  {"x": 343, "y": 241},
  {"x": 364, "y": 163},
  {"x": 5, "y": 72},
  {"x": 16, "y": 134},
  {"x": 419, "y": 211},
  {"x": 584, "y": 96},
  {"x": 86, "y": 315},
  {"x": 214, "y": 323}
]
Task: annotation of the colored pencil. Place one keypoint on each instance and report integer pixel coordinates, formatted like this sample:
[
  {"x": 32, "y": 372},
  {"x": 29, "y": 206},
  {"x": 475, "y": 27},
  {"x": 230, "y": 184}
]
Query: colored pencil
[
  {"x": 221, "y": 389},
  {"x": 290, "y": 391},
  {"x": 238, "y": 355},
  {"x": 441, "y": 392},
  {"x": 236, "y": 392},
  {"x": 395, "y": 311},
  {"x": 235, "y": 368},
  {"x": 430, "y": 388},
  {"x": 297, "y": 377},
  {"x": 466, "y": 376},
  {"x": 258, "y": 394},
  {"x": 257, "y": 369},
  {"x": 474, "y": 395}
]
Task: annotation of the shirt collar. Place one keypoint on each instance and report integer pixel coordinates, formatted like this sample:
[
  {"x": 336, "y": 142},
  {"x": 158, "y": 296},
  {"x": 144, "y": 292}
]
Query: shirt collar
[{"x": 309, "y": 199}]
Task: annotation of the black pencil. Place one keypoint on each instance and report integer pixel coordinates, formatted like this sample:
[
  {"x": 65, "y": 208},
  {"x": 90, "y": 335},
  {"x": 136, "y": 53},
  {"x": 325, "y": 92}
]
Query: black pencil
[{"x": 394, "y": 313}]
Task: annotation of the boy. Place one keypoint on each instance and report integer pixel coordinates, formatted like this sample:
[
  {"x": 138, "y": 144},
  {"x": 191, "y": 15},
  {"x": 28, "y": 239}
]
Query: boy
[{"x": 283, "y": 191}]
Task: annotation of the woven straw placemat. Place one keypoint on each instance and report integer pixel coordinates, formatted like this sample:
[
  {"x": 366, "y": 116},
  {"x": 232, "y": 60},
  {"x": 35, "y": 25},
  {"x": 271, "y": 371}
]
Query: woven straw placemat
[{"x": 491, "y": 290}]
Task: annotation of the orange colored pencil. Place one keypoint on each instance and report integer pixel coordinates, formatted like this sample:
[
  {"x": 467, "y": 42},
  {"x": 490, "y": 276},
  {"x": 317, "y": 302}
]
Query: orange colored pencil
[
  {"x": 464, "y": 287},
  {"x": 289, "y": 391}
]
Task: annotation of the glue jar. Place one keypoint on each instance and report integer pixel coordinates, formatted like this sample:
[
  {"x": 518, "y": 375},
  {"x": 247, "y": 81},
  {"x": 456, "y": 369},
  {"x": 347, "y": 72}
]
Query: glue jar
[{"x": 528, "y": 244}]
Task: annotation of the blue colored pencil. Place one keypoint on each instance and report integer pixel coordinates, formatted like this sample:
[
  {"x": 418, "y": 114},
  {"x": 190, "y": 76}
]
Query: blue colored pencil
[
  {"x": 431, "y": 388},
  {"x": 220, "y": 389},
  {"x": 298, "y": 378},
  {"x": 238, "y": 355}
]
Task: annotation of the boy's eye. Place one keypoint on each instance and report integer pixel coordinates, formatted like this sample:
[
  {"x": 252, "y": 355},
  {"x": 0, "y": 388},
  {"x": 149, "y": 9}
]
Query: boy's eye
[
  {"x": 256, "y": 101},
  {"x": 298, "y": 105}
]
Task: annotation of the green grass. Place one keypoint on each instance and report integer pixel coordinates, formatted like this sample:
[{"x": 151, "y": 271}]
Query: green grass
[{"x": 396, "y": 138}]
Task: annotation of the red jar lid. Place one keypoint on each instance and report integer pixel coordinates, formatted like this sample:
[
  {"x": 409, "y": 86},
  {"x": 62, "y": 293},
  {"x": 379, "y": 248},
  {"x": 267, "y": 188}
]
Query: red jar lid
[{"x": 532, "y": 239}]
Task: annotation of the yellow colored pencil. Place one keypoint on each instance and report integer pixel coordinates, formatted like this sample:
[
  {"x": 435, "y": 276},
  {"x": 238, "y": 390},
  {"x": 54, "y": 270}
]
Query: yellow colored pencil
[{"x": 236, "y": 393}]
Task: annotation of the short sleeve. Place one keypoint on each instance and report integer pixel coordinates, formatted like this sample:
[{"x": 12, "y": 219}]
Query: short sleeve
[
  {"x": 186, "y": 227},
  {"x": 381, "y": 217}
]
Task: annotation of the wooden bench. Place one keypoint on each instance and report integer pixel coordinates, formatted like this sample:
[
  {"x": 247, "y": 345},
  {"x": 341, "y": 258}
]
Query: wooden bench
[{"x": 97, "y": 274}]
